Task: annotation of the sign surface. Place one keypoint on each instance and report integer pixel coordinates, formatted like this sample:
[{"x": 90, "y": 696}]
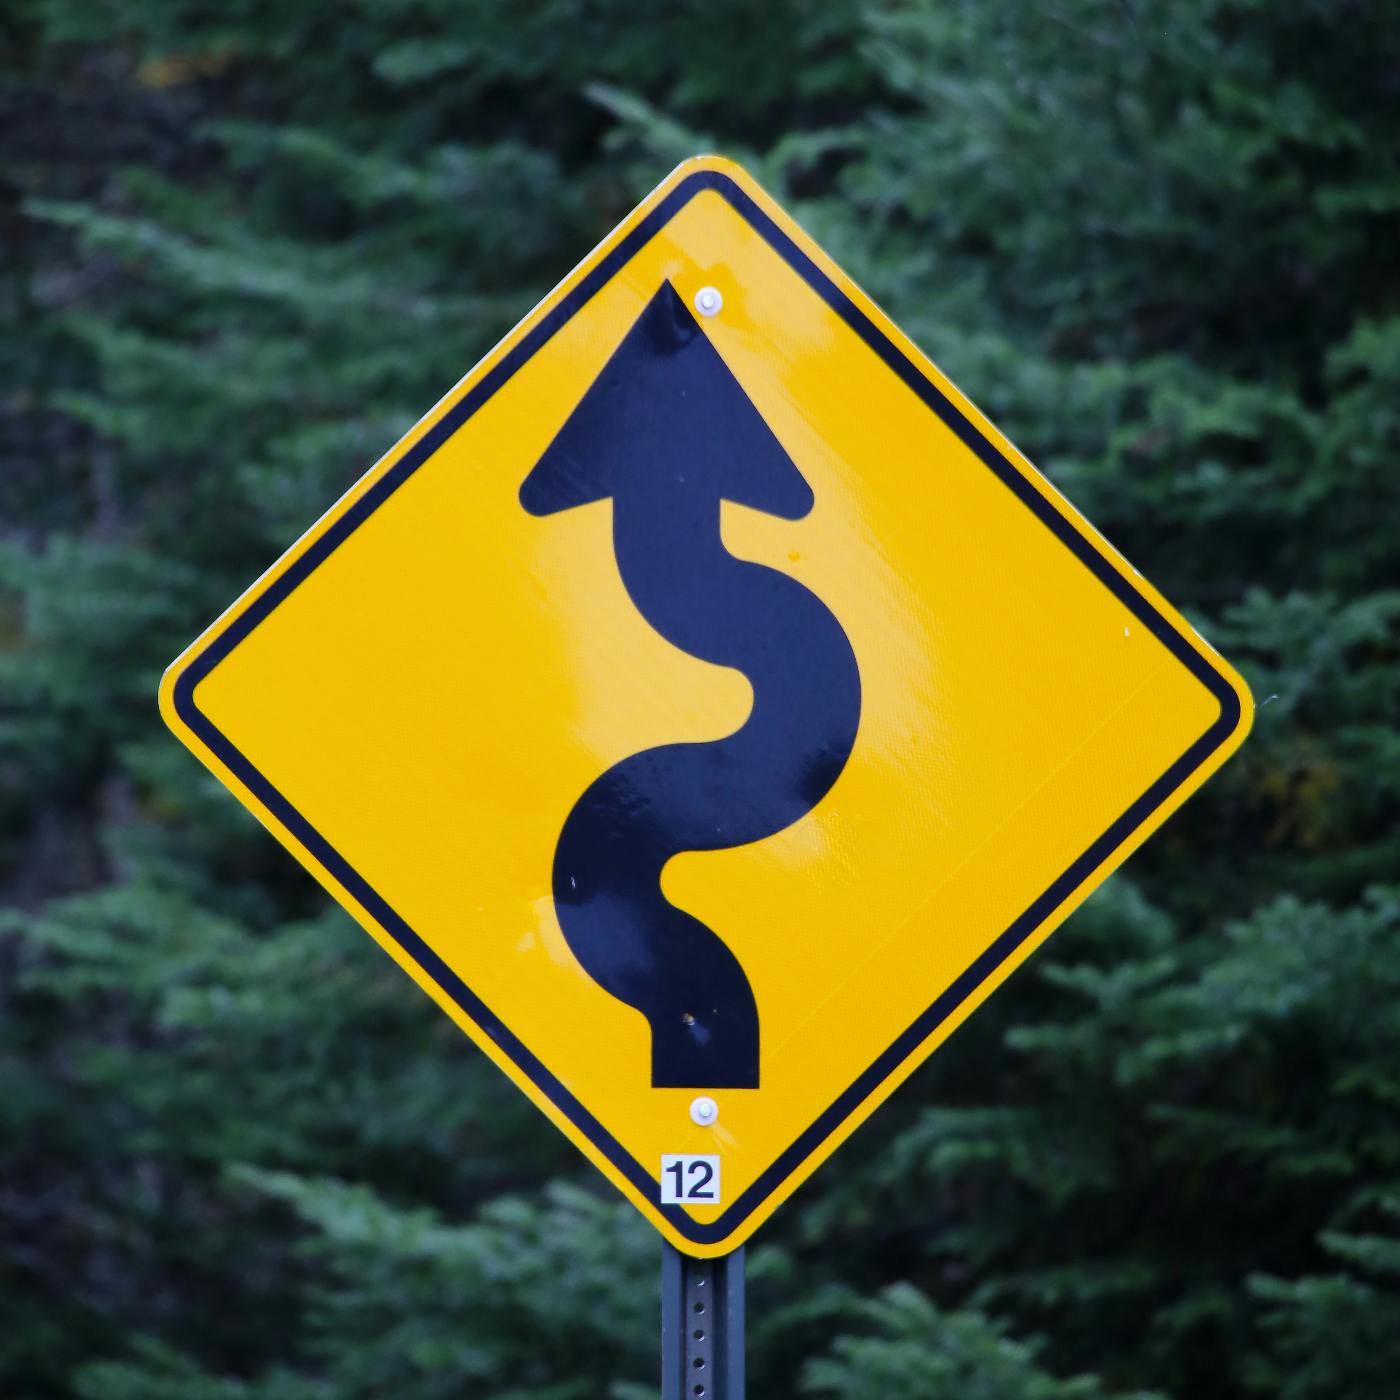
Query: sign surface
[{"x": 706, "y": 706}]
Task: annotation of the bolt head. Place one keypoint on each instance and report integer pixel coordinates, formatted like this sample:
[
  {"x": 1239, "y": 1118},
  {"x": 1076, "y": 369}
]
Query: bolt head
[
  {"x": 704, "y": 1111},
  {"x": 709, "y": 301}
]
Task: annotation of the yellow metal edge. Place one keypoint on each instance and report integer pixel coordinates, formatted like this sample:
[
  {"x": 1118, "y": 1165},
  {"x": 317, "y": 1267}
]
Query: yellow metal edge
[
  {"x": 305, "y": 541},
  {"x": 926, "y": 1048},
  {"x": 1229, "y": 744},
  {"x": 1014, "y": 456},
  {"x": 795, "y": 1179},
  {"x": 453, "y": 396}
]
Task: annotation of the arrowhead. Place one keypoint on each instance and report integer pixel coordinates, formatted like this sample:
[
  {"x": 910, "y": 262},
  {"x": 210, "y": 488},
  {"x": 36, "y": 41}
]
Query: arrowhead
[{"x": 666, "y": 414}]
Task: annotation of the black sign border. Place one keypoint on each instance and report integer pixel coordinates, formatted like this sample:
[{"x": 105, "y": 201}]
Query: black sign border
[{"x": 1135, "y": 816}]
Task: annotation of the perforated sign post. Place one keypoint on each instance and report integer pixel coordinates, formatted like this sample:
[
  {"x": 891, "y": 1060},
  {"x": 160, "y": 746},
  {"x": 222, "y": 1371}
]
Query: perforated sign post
[{"x": 708, "y": 708}]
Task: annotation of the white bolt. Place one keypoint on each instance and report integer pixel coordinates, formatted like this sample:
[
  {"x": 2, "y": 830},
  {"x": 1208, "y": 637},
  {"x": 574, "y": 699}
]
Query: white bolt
[
  {"x": 708, "y": 301},
  {"x": 704, "y": 1111}
]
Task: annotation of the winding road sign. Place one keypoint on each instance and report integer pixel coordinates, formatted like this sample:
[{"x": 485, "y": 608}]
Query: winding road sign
[
  {"x": 667, "y": 433},
  {"x": 706, "y": 706}
]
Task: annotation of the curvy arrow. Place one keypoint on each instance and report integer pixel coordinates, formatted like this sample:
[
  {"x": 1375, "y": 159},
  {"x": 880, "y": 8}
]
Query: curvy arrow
[{"x": 667, "y": 432}]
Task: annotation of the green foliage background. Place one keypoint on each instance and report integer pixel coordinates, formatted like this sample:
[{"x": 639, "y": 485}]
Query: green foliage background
[{"x": 245, "y": 244}]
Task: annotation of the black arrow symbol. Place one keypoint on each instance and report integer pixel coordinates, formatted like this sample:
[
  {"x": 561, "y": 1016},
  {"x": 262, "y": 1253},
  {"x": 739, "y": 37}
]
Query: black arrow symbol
[{"x": 667, "y": 432}]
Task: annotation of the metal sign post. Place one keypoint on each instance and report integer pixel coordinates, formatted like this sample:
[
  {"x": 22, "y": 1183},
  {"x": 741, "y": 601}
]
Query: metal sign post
[{"x": 702, "y": 1326}]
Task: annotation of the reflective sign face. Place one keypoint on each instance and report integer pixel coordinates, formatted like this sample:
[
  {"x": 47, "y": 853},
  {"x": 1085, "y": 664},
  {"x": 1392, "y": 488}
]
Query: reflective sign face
[{"x": 706, "y": 706}]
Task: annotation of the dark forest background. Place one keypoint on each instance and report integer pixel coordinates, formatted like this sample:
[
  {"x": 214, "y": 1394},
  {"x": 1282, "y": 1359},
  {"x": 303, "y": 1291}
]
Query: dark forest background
[{"x": 243, "y": 245}]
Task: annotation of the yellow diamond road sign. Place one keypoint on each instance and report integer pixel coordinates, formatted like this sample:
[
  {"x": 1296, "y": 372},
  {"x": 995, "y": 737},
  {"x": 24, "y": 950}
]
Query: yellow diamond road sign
[{"x": 706, "y": 706}]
